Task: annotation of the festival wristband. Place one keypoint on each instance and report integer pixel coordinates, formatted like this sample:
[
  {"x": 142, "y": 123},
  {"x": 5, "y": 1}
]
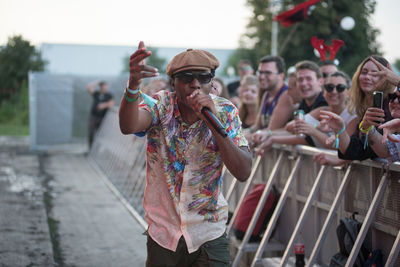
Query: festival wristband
[
  {"x": 336, "y": 144},
  {"x": 133, "y": 92},
  {"x": 130, "y": 100},
  {"x": 364, "y": 130}
]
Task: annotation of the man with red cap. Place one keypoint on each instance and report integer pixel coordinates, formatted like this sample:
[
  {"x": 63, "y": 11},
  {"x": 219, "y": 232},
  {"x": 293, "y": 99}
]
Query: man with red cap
[{"x": 183, "y": 200}]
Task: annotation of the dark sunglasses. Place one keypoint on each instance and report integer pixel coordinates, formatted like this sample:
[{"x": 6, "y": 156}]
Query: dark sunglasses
[
  {"x": 188, "y": 77},
  {"x": 339, "y": 88},
  {"x": 392, "y": 97}
]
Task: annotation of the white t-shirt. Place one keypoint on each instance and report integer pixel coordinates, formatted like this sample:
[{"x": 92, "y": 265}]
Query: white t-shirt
[{"x": 345, "y": 115}]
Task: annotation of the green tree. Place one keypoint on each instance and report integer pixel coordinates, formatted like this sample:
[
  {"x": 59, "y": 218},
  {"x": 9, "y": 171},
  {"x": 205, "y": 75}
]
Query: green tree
[
  {"x": 17, "y": 58},
  {"x": 397, "y": 64},
  {"x": 324, "y": 22},
  {"x": 154, "y": 60}
]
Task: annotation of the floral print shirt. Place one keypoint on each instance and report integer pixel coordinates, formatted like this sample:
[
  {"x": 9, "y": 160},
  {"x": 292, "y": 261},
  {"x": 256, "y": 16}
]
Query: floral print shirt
[{"x": 183, "y": 190}]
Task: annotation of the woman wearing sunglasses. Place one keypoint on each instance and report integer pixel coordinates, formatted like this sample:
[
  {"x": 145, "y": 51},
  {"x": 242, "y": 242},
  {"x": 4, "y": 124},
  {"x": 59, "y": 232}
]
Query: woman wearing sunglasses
[
  {"x": 365, "y": 82},
  {"x": 335, "y": 93}
]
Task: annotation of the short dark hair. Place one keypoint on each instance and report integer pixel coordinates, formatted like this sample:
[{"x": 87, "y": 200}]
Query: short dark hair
[
  {"x": 343, "y": 75},
  {"x": 279, "y": 62},
  {"x": 327, "y": 62},
  {"x": 309, "y": 65},
  {"x": 102, "y": 83}
]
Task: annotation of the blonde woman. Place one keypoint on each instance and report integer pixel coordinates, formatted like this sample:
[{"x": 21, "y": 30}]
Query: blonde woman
[
  {"x": 365, "y": 82},
  {"x": 248, "y": 95}
]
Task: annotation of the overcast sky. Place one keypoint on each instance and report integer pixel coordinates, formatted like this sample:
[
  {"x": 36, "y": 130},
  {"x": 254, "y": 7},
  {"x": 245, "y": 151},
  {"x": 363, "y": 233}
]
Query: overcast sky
[{"x": 177, "y": 23}]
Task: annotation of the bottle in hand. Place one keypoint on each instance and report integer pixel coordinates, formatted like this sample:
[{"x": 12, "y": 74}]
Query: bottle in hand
[{"x": 299, "y": 115}]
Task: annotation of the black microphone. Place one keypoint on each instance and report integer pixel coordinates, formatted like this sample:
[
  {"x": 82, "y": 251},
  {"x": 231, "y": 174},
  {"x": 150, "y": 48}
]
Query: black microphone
[{"x": 217, "y": 125}]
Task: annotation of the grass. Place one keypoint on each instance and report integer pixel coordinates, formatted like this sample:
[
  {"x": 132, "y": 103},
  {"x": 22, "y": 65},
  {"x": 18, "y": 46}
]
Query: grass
[
  {"x": 14, "y": 113},
  {"x": 14, "y": 130}
]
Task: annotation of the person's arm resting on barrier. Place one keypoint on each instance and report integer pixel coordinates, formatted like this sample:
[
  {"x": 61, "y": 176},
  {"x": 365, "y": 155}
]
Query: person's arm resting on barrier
[{"x": 131, "y": 118}]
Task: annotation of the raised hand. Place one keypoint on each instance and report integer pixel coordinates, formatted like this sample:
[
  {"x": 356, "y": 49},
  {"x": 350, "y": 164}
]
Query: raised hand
[
  {"x": 373, "y": 116},
  {"x": 332, "y": 120},
  {"x": 138, "y": 68},
  {"x": 389, "y": 128},
  {"x": 385, "y": 74}
]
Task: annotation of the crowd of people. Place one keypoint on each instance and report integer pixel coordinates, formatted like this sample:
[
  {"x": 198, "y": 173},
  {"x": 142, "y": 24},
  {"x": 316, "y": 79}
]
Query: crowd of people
[
  {"x": 338, "y": 111},
  {"x": 316, "y": 105}
]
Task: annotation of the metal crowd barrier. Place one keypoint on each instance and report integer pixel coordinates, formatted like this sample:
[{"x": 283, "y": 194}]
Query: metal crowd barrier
[{"x": 313, "y": 198}]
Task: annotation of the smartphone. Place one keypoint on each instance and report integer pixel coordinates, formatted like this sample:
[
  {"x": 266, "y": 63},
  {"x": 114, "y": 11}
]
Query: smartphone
[{"x": 378, "y": 99}]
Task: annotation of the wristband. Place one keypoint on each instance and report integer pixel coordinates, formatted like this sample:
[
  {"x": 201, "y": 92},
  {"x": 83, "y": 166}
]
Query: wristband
[
  {"x": 130, "y": 100},
  {"x": 336, "y": 144},
  {"x": 149, "y": 100},
  {"x": 364, "y": 130},
  {"x": 133, "y": 92}
]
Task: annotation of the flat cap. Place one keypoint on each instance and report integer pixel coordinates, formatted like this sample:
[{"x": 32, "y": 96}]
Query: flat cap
[{"x": 192, "y": 59}]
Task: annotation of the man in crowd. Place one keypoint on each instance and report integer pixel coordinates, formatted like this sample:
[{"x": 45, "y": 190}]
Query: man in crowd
[
  {"x": 102, "y": 101},
  {"x": 185, "y": 209},
  {"x": 327, "y": 68},
  {"x": 271, "y": 75},
  {"x": 309, "y": 81}
]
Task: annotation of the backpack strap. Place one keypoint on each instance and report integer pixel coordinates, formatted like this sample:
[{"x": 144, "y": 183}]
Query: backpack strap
[{"x": 353, "y": 235}]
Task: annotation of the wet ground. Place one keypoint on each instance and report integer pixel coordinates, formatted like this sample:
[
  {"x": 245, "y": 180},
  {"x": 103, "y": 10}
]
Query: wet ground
[{"x": 56, "y": 211}]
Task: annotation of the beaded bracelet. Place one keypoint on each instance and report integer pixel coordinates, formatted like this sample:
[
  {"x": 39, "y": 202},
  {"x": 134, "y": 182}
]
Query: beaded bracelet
[
  {"x": 336, "y": 144},
  {"x": 130, "y": 100}
]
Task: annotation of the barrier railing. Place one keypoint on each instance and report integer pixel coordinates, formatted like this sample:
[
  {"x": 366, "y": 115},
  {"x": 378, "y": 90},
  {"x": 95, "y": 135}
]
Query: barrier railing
[{"x": 313, "y": 198}]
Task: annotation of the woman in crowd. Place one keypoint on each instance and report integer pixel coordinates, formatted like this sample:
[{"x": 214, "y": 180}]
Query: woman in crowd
[
  {"x": 219, "y": 88},
  {"x": 336, "y": 95},
  {"x": 365, "y": 82},
  {"x": 387, "y": 145},
  {"x": 248, "y": 95}
]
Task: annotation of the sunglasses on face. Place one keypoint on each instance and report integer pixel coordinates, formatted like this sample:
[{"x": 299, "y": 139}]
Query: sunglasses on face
[
  {"x": 339, "y": 88},
  {"x": 188, "y": 77},
  {"x": 392, "y": 97}
]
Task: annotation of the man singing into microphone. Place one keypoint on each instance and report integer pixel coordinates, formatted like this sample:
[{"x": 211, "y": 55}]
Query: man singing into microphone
[{"x": 183, "y": 200}]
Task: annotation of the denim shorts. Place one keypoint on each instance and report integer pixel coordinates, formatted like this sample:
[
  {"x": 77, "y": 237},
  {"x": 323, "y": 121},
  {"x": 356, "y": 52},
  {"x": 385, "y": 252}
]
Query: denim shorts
[{"x": 214, "y": 253}]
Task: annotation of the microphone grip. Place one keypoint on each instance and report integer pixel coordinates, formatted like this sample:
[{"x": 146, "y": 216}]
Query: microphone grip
[{"x": 213, "y": 120}]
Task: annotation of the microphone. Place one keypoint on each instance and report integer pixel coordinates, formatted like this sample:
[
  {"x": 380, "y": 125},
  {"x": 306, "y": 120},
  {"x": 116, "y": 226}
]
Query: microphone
[{"x": 217, "y": 125}]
